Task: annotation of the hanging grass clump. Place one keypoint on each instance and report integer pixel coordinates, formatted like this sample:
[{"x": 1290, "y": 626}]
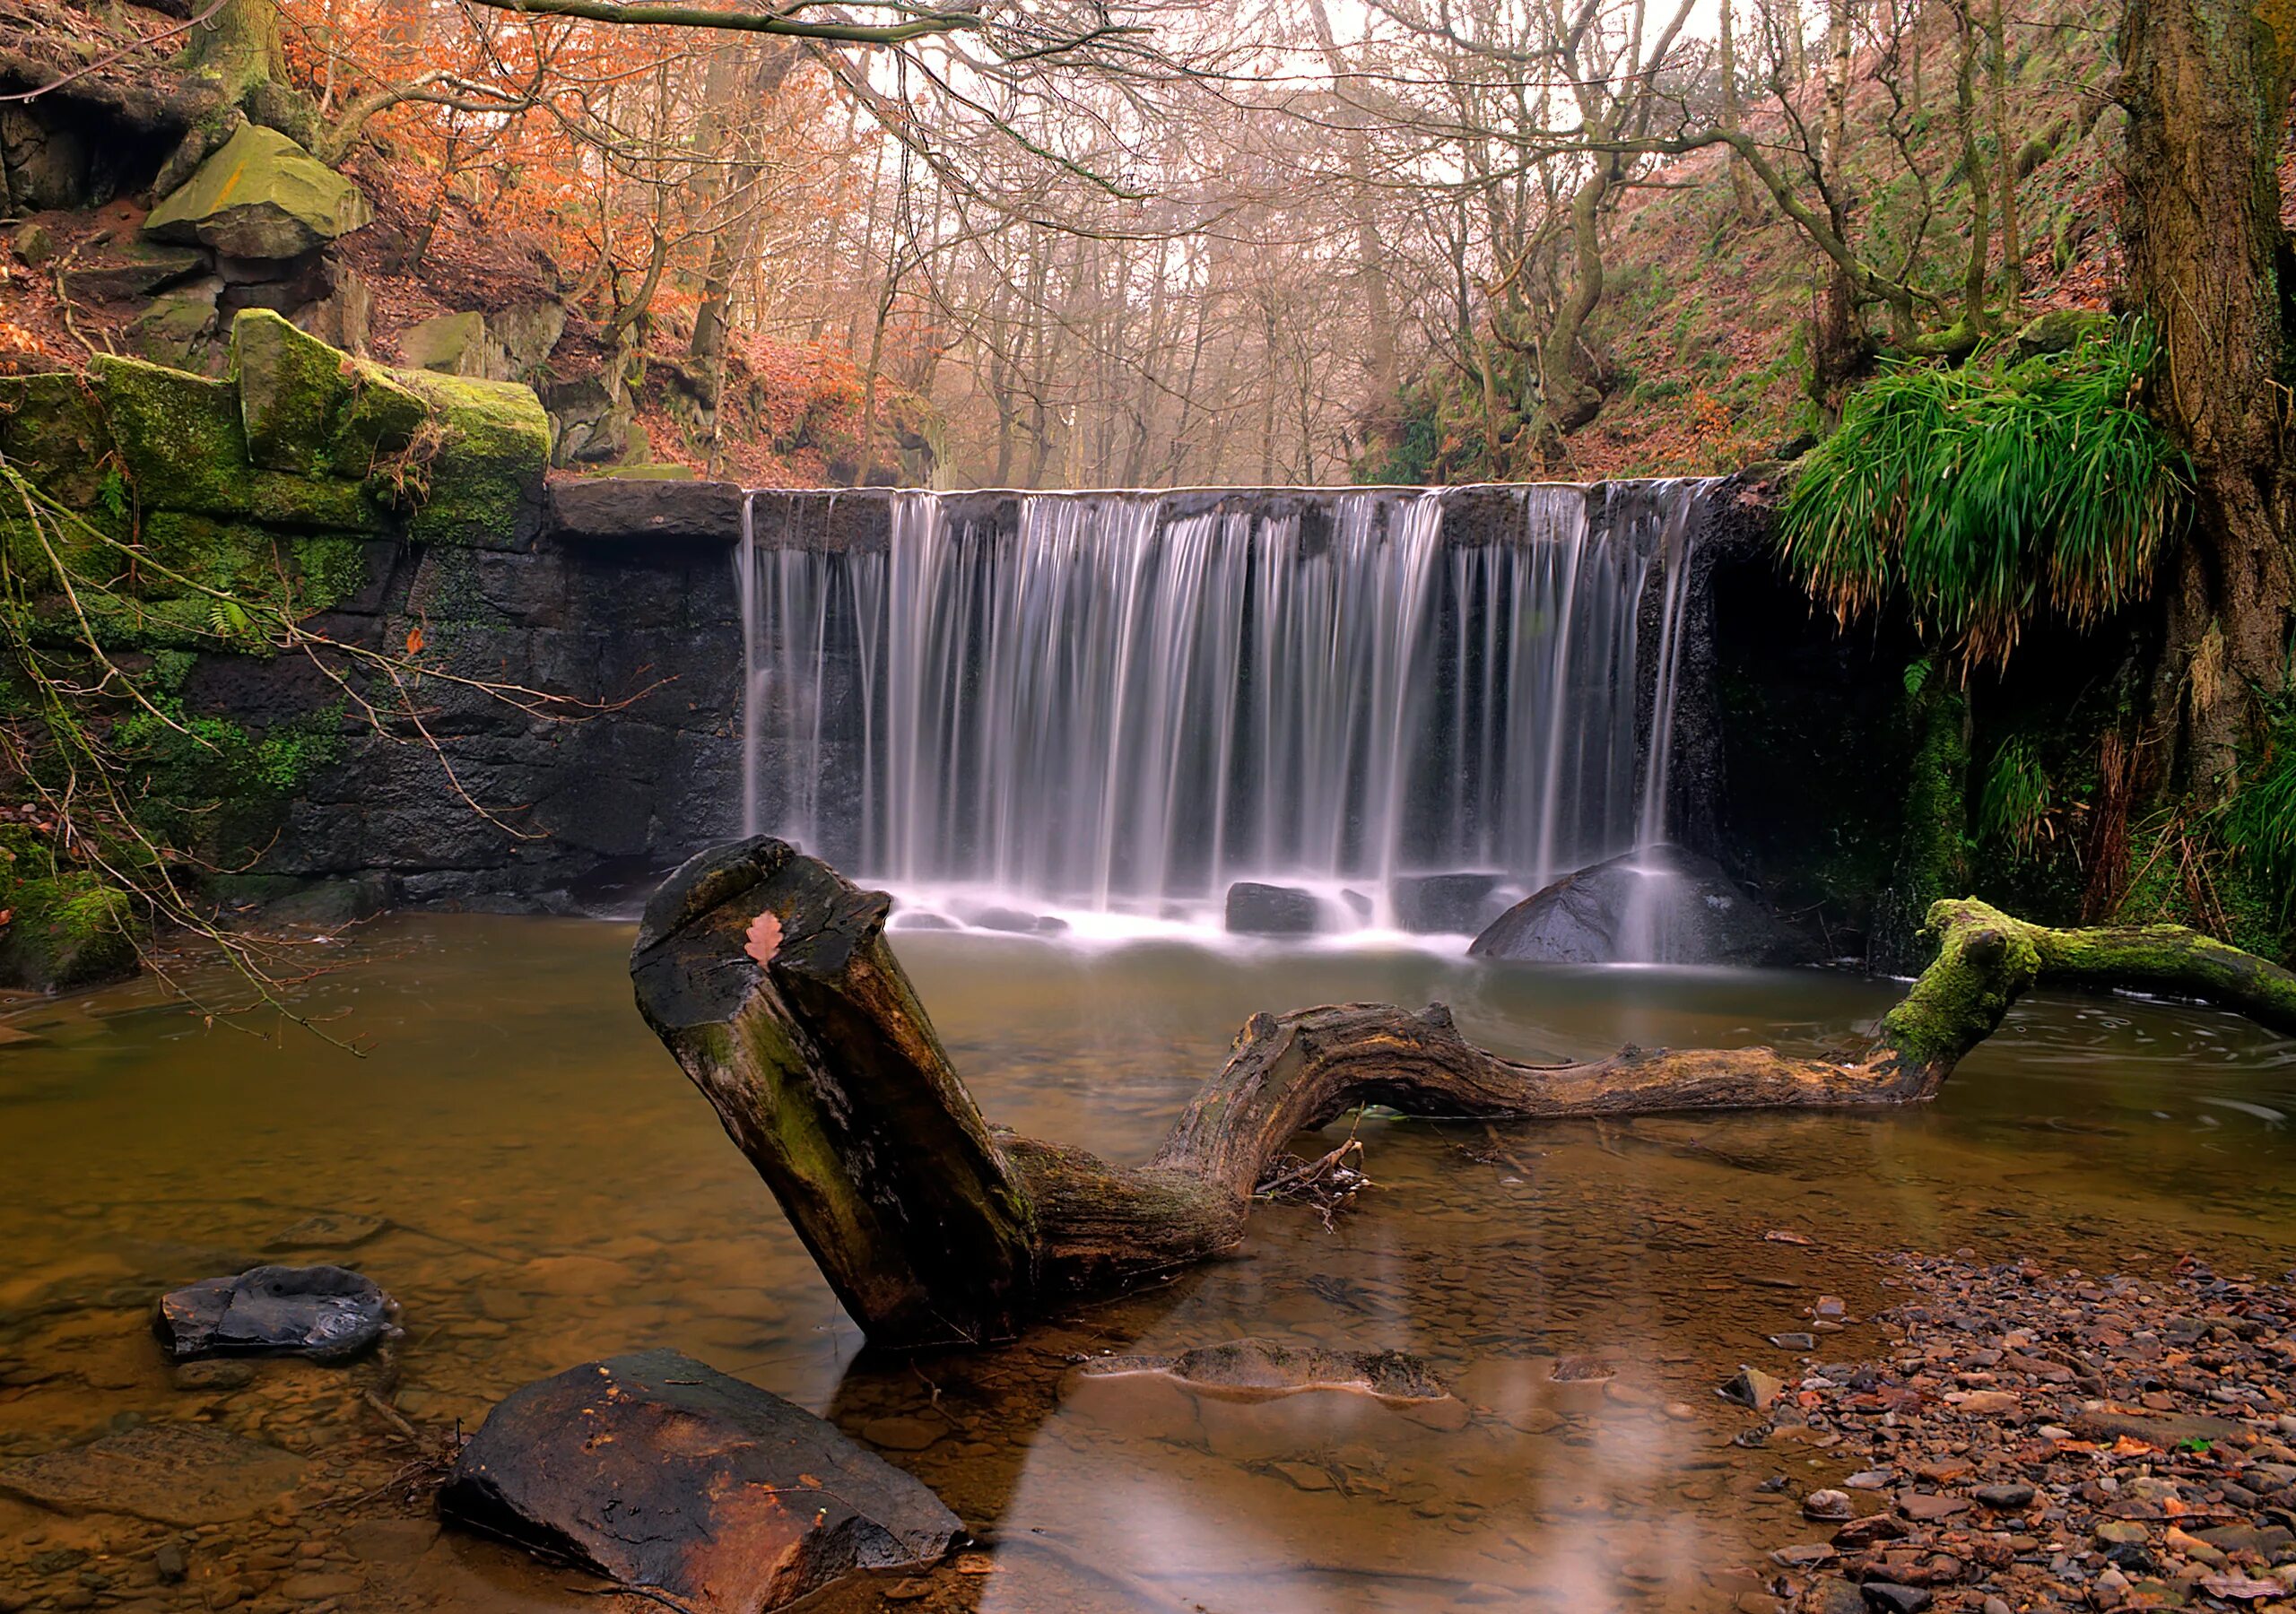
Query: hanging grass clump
[{"x": 1983, "y": 494}]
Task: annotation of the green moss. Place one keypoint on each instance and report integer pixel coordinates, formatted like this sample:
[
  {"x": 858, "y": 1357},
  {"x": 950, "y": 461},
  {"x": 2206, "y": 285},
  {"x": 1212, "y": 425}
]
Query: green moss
[
  {"x": 52, "y": 429},
  {"x": 67, "y": 930},
  {"x": 178, "y": 435},
  {"x": 328, "y": 570},
  {"x": 293, "y": 389},
  {"x": 312, "y": 501},
  {"x": 483, "y": 470},
  {"x": 379, "y": 418}
]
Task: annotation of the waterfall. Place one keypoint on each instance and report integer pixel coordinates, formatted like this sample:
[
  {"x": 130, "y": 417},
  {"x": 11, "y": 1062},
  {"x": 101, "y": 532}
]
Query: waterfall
[{"x": 1114, "y": 705}]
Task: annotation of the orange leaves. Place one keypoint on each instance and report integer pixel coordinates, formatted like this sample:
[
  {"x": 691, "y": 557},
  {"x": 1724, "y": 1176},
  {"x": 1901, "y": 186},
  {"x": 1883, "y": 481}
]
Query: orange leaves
[{"x": 414, "y": 641}]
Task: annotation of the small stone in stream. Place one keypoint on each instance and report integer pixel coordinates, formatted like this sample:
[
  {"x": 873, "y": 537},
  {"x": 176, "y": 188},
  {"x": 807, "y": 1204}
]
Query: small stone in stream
[
  {"x": 1866, "y": 1532},
  {"x": 903, "y": 1434},
  {"x": 213, "y": 1377},
  {"x": 1891, "y": 1598},
  {"x": 1832, "y": 1596},
  {"x": 658, "y": 1471},
  {"x": 328, "y": 1231},
  {"x": 912, "y": 1590},
  {"x": 1870, "y": 1479},
  {"x": 1802, "y": 1554},
  {"x": 2013, "y": 1497},
  {"x": 2268, "y": 1541},
  {"x": 327, "y": 1314},
  {"x": 1832, "y": 1309},
  {"x": 1795, "y": 1341},
  {"x": 1753, "y": 1388},
  {"x": 168, "y": 1564},
  {"x": 2121, "y": 1532},
  {"x": 1826, "y": 1505},
  {"x": 1924, "y": 1508},
  {"x": 1987, "y": 1403}
]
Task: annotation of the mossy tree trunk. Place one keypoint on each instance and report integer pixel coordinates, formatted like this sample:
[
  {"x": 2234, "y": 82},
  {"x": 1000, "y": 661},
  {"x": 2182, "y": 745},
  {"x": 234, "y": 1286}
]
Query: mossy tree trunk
[
  {"x": 233, "y": 70},
  {"x": 2206, "y": 86},
  {"x": 768, "y": 976}
]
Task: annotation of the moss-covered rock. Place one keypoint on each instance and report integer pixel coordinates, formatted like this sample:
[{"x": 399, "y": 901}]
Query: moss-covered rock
[
  {"x": 67, "y": 930},
  {"x": 177, "y": 328},
  {"x": 260, "y": 195},
  {"x": 52, "y": 429},
  {"x": 313, "y": 501},
  {"x": 483, "y": 466},
  {"x": 293, "y": 389},
  {"x": 178, "y": 435},
  {"x": 378, "y": 422},
  {"x": 450, "y": 344}
]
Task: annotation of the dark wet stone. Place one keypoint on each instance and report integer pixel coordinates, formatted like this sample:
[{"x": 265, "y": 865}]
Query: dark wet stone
[
  {"x": 2012, "y": 1498},
  {"x": 1447, "y": 904},
  {"x": 1271, "y": 910},
  {"x": 175, "y": 1474},
  {"x": 1753, "y": 1388},
  {"x": 612, "y": 508},
  {"x": 1659, "y": 904},
  {"x": 327, "y": 1314},
  {"x": 657, "y": 1470},
  {"x": 1006, "y": 919},
  {"x": 168, "y": 1564},
  {"x": 1892, "y": 1598}
]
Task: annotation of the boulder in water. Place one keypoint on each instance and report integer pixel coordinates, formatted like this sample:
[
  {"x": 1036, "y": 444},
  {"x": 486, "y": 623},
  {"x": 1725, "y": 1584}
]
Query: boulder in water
[
  {"x": 1660, "y": 905},
  {"x": 328, "y": 1313},
  {"x": 1458, "y": 904},
  {"x": 1271, "y": 910},
  {"x": 658, "y": 1471}
]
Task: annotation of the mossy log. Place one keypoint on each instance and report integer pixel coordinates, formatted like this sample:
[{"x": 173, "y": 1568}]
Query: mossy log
[{"x": 767, "y": 976}]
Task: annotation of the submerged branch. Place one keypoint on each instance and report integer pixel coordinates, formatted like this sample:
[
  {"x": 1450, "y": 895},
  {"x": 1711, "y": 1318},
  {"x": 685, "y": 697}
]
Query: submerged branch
[{"x": 767, "y": 976}]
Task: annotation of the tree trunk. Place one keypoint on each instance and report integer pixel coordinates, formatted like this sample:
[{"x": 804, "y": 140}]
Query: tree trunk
[
  {"x": 768, "y": 976},
  {"x": 2205, "y": 83}
]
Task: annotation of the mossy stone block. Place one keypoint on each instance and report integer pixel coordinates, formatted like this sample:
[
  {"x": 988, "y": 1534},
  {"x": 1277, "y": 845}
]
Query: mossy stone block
[
  {"x": 313, "y": 501},
  {"x": 219, "y": 554},
  {"x": 378, "y": 420},
  {"x": 178, "y": 434},
  {"x": 486, "y": 475},
  {"x": 52, "y": 429},
  {"x": 292, "y": 388},
  {"x": 450, "y": 344}
]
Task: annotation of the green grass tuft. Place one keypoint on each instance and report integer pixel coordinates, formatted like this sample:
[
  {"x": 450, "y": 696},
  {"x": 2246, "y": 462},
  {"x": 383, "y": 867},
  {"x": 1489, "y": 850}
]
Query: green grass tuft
[{"x": 1983, "y": 495}]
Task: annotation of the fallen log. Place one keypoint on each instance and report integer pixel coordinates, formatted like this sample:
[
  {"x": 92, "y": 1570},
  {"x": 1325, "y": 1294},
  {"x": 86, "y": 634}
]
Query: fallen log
[{"x": 767, "y": 976}]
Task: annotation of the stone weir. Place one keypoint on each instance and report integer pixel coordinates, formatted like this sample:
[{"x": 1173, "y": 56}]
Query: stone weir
[{"x": 414, "y": 516}]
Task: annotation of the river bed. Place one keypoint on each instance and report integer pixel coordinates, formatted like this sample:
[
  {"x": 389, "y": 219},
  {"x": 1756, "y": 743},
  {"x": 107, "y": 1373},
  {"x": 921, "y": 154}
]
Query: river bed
[{"x": 542, "y": 1187}]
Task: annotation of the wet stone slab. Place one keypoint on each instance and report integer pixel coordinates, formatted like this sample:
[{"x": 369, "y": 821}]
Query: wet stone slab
[{"x": 173, "y": 1473}]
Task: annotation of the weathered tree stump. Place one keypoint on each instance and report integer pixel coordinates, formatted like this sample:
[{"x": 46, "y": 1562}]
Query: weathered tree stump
[{"x": 767, "y": 973}]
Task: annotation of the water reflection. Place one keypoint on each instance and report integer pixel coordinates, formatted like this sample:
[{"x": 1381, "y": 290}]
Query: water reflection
[{"x": 552, "y": 1191}]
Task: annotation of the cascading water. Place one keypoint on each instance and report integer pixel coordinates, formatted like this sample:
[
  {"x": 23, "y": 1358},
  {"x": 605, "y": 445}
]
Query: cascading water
[{"x": 1114, "y": 705}]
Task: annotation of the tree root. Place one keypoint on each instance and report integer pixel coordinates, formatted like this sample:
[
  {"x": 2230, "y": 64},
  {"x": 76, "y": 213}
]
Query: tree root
[{"x": 767, "y": 976}]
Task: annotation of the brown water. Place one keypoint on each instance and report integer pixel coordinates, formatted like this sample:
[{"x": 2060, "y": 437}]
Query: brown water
[{"x": 555, "y": 1190}]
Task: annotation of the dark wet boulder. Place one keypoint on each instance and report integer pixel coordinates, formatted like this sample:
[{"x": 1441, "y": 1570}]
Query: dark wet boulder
[
  {"x": 1658, "y": 906},
  {"x": 1458, "y": 904},
  {"x": 1271, "y": 910},
  {"x": 657, "y": 1470},
  {"x": 328, "y": 1313}
]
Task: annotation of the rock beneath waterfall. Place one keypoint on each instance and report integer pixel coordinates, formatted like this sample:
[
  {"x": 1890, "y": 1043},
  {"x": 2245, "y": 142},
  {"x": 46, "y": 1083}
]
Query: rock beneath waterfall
[
  {"x": 1271, "y": 910},
  {"x": 1658, "y": 906},
  {"x": 658, "y": 1471},
  {"x": 1460, "y": 904}
]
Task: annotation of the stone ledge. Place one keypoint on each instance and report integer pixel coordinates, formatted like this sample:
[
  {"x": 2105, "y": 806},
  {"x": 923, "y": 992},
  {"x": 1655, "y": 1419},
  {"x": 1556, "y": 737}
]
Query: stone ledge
[{"x": 606, "y": 508}]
